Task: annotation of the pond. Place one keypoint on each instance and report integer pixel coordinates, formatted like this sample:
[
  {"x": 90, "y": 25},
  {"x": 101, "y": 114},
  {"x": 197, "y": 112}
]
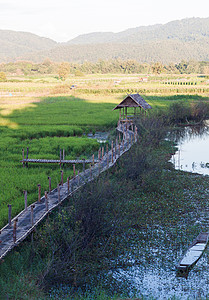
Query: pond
[{"x": 193, "y": 149}]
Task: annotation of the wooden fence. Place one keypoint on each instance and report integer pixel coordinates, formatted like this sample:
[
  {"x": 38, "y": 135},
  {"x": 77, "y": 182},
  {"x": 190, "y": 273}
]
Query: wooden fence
[{"x": 24, "y": 223}]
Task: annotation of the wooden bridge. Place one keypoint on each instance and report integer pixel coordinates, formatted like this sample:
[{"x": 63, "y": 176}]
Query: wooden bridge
[{"x": 24, "y": 223}]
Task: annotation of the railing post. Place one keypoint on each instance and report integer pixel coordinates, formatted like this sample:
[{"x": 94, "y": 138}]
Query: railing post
[
  {"x": 68, "y": 184},
  {"x": 84, "y": 165},
  {"x": 58, "y": 191},
  {"x": 50, "y": 186},
  {"x": 102, "y": 152},
  {"x": 9, "y": 215},
  {"x": 62, "y": 178},
  {"x": 112, "y": 151},
  {"x": 46, "y": 201},
  {"x": 26, "y": 202},
  {"x": 39, "y": 193},
  {"x": 32, "y": 215},
  {"x": 60, "y": 158},
  {"x": 74, "y": 170},
  {"x": 63, "y": 156},
  {"x": 27, "y": 157},
  {"x": 15, "y": 231},
  {"x": 123, "y": 145},
  {"x": 23, "y": 163}
]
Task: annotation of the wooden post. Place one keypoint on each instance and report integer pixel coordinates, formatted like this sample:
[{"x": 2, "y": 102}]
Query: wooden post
[
  {"x": 50, "y": 186},
  {"x": 74, "y": 170},
  {"x": 61, "y": 178},
  {"x": 23, "y": 164},
  {"x": 84, "y": 165},
  {"x": 39, "y": 193},
  {"x": 32, "y": 215},
  {"x": 26, "y": 202},
  {"x": 123, "y": 144},
  {"x": 58, "y": 191},
  {"x": 99, "y": 152},
  {"x": 136, "y": 132},
  {"x": 119, "y": 149},
  {"x": 93, "y": 159},
  {"x": 78, "y": 178},
  {"x": 107, "y": 159},
  {"x": 46, "y": 201},
  {"x": 68, "y": 184},
  {"x": 60, "y": 158},
  {"x": 10, "y": 214},
  {"x": 63, "y": 156},
  {"x": 27, "y": 157},
  {"x": 112, "y": 151},
  {"x": 119, "y": 138},
  {"x": 107, "y": 149},
  {"x": 15, "y": 231},
  {"x": 90, "y": 171},
  {"x": 102, "y": 152}
]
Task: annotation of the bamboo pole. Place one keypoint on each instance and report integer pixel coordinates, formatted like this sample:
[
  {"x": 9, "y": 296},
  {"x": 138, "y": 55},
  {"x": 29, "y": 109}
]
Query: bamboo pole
[
  {"x": 39, "y": 193},
  {"x": 68, "y": 184},
  {"x": 61, "y": 178},
  {"x": 46, "y": 201},
  {"x": 9, "y": 215},
  {"x": 50, "y": 186},
  {"x": 74, "y": 170},
  {"x": 26, "y": 202},
  {"x": 23, "y": 164},
  {"x": 112, "y": 151},
  {"x": 27, "y": 157},
  {"x": 15, "y": 231},
  {"x": 32, "y": 214},
  {"x": 58, "y": 191}
]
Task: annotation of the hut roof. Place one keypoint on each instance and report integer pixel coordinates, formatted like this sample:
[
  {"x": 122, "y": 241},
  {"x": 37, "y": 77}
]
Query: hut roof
[{"x": 133, "y": 100}]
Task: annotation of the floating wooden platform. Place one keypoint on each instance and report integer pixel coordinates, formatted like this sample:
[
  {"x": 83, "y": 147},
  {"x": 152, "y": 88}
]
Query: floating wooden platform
[{"x": 193, "y": 254}]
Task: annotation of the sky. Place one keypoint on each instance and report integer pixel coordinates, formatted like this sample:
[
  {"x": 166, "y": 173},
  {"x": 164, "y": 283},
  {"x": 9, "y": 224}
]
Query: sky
[{"x": 62, "y": 20}]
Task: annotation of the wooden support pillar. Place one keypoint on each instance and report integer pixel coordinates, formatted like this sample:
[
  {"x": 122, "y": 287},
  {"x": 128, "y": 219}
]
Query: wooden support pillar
[
  {"x": 15, "y": 231},
  {"x": 23, "y": 164},
  {"x": 93, "y": 159},
  {"x": 26, "y": 202},
  {"x": 99, "y": 153},
  {"x": 32, "y": 215},
  {"x": 84, "y": 165},
  {"x": 102, "y": 152},
  {"x": 68, "y": 184},
  {"x": 61, "y": 178},
  {"x": 63, "y": 156},
  {"x": 112, "y": 151},
  {"x": 60, "y": 158},
  {"x": 39, "y": 193},
  {"x": 27, "y": 157},
  {"x": 120, "y": 114},
  {"x": 119, "y": 148},
  {"x": 123, "y": 144},
  {"x": 58, "y": 191},
  {"x": 74, "y": 170},
  {"x": 107, "y": 149},
  {"x": 50, "y": 186},
  {"x": 9, "y": 215},
  {"x": 46, "y": 201}
]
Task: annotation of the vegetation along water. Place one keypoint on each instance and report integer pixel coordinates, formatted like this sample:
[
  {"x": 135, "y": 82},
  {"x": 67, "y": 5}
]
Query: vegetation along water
[{"x": 120, "y": 236}]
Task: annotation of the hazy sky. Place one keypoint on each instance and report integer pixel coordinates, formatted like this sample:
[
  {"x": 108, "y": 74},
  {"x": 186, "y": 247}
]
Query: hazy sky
[{"x": 63, "y": 20}]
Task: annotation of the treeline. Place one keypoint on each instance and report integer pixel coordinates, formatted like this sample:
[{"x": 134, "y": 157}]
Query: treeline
[{"x": 103, "y": 66}]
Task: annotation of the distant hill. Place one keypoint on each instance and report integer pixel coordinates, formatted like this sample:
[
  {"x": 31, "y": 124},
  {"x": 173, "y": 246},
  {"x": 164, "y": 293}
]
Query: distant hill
[
  {"x": 186, "y": 39},
  {"x": 16, "y": 43}
]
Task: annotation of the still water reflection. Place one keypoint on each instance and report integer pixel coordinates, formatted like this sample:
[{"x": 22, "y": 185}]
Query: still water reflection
[{"x": 193, "y": 149}]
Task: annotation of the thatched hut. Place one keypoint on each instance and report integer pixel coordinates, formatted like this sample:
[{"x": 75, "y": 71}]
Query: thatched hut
[{"x": 131, "y": 107}]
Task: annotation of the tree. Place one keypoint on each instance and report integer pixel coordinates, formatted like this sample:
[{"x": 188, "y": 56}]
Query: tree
[
  {"x": 157, "y": 68},
  {"x": 3, "y": 76},
  {"x": 63, "y": 70}
]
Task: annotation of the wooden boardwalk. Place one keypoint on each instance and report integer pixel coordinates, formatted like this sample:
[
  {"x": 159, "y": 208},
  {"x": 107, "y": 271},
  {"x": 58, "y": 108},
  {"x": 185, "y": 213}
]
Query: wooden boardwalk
[
  {"x": 57, "y": 161},
  {"x": 25, "y": 222}
]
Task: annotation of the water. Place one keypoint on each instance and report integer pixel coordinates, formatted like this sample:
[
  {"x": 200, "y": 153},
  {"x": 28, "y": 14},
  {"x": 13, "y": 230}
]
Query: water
[
  {"x": 100, "y": 136},
  {"x": 193, "y": 150}
]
